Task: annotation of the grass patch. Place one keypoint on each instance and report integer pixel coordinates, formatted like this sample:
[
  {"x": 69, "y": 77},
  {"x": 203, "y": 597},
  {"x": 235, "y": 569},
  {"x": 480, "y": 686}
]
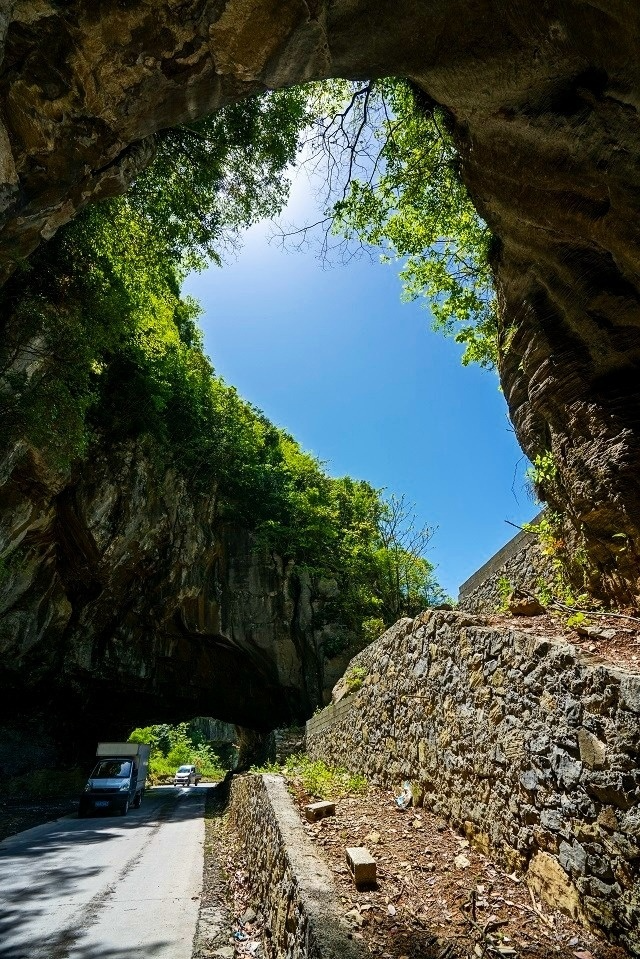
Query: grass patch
[{"x": 316, "y": 778}]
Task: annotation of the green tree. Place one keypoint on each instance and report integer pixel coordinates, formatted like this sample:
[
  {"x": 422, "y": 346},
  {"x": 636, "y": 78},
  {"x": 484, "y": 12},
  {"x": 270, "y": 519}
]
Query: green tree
[
  {"x": 173, "y": 746},
  {"x": 390, "y": 175},
  {"x": 405, "y": 578},
  {"x": 219, "y": 174},
  {"x": 104, "y": 349}
]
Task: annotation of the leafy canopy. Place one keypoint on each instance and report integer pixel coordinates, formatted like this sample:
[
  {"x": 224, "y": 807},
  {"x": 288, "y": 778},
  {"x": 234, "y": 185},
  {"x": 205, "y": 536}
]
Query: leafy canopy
[
  {"x": 390, "y": 173},
  {"x": 216, "y": 175},
  {"x": 103, "y": 349}
]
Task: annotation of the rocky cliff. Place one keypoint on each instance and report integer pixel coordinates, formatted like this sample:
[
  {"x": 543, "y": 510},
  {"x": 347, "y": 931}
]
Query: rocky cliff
[
  {"x": 543, "y": 101},
  {"x": 126, "y": 600}
]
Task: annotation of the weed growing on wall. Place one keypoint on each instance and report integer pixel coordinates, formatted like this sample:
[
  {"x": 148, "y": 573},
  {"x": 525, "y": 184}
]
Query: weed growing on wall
[
  {"x": 567, "y": 566},
  {"x": 505, "y": 588},
  {"x": 316, "y": 778},
  {"x": 355, "y": 677}
]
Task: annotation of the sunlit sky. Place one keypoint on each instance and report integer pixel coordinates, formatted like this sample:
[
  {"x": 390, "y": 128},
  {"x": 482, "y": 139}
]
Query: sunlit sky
[{"x": 361, "y": 381}]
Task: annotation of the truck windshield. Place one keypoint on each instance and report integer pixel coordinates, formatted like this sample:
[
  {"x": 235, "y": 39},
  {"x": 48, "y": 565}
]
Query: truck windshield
[
  {"x": 185, "y": 769},
  {"x": 112, "y": 769}
]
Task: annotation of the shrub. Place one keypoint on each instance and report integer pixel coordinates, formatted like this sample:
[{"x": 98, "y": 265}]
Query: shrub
[
  {"x": 323, "y": 781},
  {"x": 173, "y": 746}
]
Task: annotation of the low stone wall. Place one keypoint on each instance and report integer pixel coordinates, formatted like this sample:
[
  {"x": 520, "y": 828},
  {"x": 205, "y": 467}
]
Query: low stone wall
[
  {"x": 530, "y": 748},
  {"x": 521, "y": 562},
  {"x": 294, "y": 887}
]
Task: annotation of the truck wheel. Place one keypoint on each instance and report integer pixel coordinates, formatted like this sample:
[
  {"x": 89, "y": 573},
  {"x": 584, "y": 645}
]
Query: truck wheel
[
  {"x": 137, "y": 801},
  {"x": 83, "y": 811},
  {"x": 125, "y": 809}
]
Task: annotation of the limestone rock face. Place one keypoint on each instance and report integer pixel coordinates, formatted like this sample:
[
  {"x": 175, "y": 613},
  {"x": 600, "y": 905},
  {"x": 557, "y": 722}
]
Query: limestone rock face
[
  {"x": 126, "y": 601},
  {"x": 543, "y": 100}
]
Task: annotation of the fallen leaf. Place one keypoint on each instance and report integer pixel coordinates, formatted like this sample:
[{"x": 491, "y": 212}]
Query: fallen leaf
[
  {"x": 391, "y": 910},
  {"x": 583, "y": 954},
  {"x": 461, "y": 861}
]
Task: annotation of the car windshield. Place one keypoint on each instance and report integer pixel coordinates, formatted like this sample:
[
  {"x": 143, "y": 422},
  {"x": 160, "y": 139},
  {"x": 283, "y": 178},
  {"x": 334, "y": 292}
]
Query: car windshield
[
  {"x": 185, "y": 769},
  {"x": 112, "y": 769}
]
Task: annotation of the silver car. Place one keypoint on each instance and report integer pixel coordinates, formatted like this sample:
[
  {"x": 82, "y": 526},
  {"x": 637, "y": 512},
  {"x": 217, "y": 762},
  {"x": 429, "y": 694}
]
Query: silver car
[{"x": 186, "y": 776}]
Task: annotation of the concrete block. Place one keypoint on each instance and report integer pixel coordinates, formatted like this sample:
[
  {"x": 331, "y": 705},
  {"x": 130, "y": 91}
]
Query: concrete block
[
  {"x": 362, "y": 865},
  {"x": 319, "y": 810}
]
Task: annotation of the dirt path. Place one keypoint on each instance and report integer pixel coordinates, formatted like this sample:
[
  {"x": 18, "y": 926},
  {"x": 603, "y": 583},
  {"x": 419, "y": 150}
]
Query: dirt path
[
  {"x": 611, "y": 638},
  {"x": 436, "y": 895}
]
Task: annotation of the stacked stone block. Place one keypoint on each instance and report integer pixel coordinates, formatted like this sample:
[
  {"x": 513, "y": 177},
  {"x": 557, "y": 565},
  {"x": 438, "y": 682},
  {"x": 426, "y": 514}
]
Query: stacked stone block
[
  {"x": 292, "y": 885},
  {"x": 527, "y": 745},
  {"x": 521, "y": 563}
]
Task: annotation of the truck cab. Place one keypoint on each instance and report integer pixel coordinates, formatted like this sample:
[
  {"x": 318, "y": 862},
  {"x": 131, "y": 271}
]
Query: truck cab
[{"x": 117, "y": 780}]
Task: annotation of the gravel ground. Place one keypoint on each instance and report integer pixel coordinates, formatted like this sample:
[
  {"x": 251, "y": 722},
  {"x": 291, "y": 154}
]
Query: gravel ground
[
  {"x": 16, "y": 815},
  {"x": 436, "y": 896}
]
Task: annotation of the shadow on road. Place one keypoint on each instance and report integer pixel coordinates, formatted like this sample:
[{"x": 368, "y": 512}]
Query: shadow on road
[
  {"x": 69, "y": 948},
  {"x": 28, "y": 894}
]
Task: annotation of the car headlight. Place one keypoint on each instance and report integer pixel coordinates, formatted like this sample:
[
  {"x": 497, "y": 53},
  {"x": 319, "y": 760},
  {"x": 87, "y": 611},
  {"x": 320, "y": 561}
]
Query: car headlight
[{"x": 124, "y": 786}]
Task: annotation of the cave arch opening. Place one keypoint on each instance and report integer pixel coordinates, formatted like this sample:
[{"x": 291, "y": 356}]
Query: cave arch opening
[{"x": 546, "y": 119}]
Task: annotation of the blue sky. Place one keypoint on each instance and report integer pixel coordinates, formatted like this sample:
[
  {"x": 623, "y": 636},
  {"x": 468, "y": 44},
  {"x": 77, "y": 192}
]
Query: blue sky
[{"x": 359, "y": 379}]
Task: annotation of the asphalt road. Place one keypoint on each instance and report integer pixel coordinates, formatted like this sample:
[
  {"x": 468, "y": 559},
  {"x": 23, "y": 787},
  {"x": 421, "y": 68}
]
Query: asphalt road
[{"x": 108, "y": 887}]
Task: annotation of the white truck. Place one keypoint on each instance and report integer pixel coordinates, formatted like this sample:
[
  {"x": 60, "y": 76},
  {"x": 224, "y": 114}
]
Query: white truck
[{"x": 118, "y": 779}]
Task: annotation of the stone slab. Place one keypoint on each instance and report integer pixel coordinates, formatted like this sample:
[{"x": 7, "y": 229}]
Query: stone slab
[
  {"x": 361, "y": 864},
  {"x": 319, "y": 810}
]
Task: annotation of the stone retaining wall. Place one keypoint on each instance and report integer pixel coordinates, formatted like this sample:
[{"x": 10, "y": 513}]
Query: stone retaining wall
[
  {"x": 529, "y": 747},
  {"x": 521, "y": 562},
  {"x": 294, "y": 887}
]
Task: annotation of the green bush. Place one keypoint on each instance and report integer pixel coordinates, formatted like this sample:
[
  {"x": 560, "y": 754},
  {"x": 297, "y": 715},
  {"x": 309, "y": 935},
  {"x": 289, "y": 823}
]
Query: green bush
[
  {"x": 320, "y": 780},
  {"x": 173, "y": 746}
]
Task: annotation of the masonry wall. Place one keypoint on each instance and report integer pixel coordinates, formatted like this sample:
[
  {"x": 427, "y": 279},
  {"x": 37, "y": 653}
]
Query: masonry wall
[
  {"x": 521, "y": 562},
  {"x": 293, "y": 886},
  {"x": 530, "y": 748}
]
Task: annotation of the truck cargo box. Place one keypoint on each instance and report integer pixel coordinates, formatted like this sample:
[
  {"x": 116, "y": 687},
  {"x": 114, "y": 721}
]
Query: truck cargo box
[{"x": 122, "y": 749}]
